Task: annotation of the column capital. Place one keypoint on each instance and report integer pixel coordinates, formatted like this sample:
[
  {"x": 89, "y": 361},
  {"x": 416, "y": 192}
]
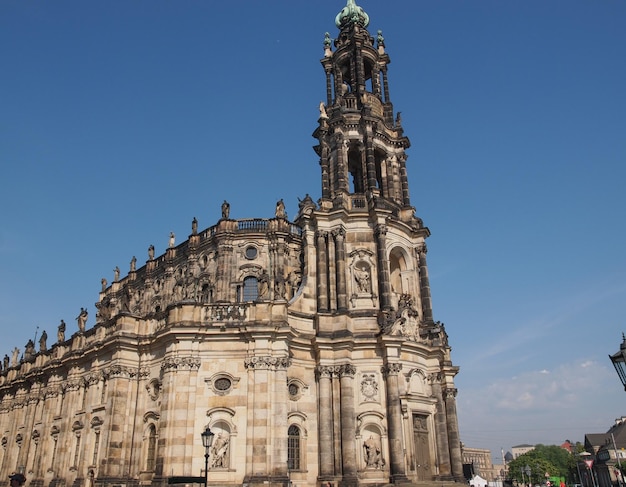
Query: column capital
[
  {"x": 391, "y": 369},
  {"x": 450, "y": 393},
  {"x": 346, "y": 370}
]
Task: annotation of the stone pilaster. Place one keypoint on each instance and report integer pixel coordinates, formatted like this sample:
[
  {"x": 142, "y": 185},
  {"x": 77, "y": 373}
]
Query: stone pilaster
[
  {"x": 179, "y": 374},
  {"x": 322, "y": 276},
  {"x": 119, "y": 389},
  {"x": 441, "y": 427},
  {"x": 266, "y": 464},
  {"x": 332, "y": 273}
]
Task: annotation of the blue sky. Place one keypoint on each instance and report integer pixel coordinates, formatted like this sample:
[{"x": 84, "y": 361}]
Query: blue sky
[{"x": 122, "y": 121}]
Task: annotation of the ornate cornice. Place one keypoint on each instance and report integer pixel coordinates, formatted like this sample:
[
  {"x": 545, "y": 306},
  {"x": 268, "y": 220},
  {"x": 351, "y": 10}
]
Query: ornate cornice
[
  {"x": 267, "y": 362},
  {"x": 180, "y": 363}
]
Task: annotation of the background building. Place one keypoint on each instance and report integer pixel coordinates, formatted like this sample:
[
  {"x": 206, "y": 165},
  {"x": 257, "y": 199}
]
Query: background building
[{"x": 309, "y": 347}]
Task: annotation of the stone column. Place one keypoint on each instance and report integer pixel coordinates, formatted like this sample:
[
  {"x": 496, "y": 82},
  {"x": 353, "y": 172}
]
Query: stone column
[
  {"x": 383, "y": 267},
  {"x": 370, "y": 162},
  {"x": 348, "y": 425},
  {"x": 427, "y": 309},
  {"x": 325, "y": 418},
  {"x": 322, "y": 277},
  {"x": 385, "y": 84},
  {"x": 324, "y": 163},
  {"x": 224, "y": 253},
  {"x": 279, "y": 415},
  {"x": 441, "y": 429},
  {"x": 343, "y": 183},
  {"x": 329, "y": 88},
  {"x": 342, "y": 296},
  {"x": 404, "y": 180},
  {"x": 376, "y": 81},
  {"x": 394, "y": 421},
  {"x": 454, "y": 438}
]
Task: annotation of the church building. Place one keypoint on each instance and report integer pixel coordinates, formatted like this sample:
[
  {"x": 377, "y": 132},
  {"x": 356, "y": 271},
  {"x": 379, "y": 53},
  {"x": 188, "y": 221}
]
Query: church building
[{"x": 308, "y": 348}]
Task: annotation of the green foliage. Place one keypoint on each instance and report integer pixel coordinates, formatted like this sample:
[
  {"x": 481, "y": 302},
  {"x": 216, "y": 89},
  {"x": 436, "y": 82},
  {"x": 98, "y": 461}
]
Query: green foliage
[{"x": 544, "y": 459}]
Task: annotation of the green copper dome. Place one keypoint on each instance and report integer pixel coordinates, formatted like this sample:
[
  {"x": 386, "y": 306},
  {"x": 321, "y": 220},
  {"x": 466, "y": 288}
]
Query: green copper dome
[{"x": 352, "y": 13}]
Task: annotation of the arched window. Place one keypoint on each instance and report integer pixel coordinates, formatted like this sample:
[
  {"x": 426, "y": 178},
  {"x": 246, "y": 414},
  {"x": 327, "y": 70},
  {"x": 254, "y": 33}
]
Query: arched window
[
  {"x": 151, "y": 448},
  {"x": 293, "y": 448},
  {"x": 397, "y": 265},
  {"x": 355, "y": 168},
  {"x": 250, "y": 289}
]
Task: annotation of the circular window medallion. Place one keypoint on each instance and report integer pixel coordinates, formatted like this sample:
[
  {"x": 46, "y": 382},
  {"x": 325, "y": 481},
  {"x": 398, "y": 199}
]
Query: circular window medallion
[
  {"x": 294, "y": 390},
  {"x": 222, "y": 384},
  {"x": 251, "y": 252}
]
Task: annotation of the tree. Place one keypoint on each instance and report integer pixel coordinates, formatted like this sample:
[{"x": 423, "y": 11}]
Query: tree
[{"x": 544, "y": 459}]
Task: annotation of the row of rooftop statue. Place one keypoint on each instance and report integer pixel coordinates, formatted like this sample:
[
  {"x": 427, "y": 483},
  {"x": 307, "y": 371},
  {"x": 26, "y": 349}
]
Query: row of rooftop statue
[
  {"x": 29, "y": 349},
  {"x": 279, "y": 213}
]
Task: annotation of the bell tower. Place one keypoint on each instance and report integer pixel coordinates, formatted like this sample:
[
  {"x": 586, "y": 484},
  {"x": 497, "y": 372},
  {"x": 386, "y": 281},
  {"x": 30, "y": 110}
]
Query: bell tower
[
  {"x": 383, "y": 366},
  {"x": 361, "y": 146}
]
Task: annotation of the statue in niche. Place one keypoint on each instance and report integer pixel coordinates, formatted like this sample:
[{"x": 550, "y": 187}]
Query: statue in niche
[
  {"x": 61, "y": 332},
  {"x": 133, "y": 264},
  {"x": 151, "y": 252},
  {"x": 103, "y": 284},
  {"x": 225, "y": 210},
  {"x": 280, "y": 209},
  {"x": 362, "y": 277},
  {"x": 194, "y": 226},
  {"x": 373, "y": 455},
  {"x": 219, "y": 451},
  {"x": 42, "y": 342},
  {"x": 82, "y": 319}
]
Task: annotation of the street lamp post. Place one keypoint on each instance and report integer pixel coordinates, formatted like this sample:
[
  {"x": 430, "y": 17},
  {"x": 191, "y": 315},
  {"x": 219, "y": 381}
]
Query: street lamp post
[
  {"x": 619, "y": 361},
  {"x": 528, "y": 472},
  {"x": 207, "y": 440}
]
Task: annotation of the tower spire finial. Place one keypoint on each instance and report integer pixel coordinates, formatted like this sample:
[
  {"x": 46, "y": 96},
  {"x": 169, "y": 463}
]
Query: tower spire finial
[{"x": 352, "y": 13}]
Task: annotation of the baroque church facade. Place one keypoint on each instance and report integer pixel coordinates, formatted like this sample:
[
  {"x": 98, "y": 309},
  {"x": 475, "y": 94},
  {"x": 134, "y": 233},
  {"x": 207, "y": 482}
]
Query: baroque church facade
[{"x": 308, "y": 347}]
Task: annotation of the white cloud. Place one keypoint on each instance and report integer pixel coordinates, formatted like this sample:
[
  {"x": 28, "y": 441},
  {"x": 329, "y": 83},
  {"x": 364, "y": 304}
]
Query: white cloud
[{"x": 541, "y": 406}]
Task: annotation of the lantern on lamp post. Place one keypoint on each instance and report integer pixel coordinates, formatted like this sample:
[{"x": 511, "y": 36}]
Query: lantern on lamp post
[
  {"x": 207, "y": 440},
  {"x": 619, "y": 361}
]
